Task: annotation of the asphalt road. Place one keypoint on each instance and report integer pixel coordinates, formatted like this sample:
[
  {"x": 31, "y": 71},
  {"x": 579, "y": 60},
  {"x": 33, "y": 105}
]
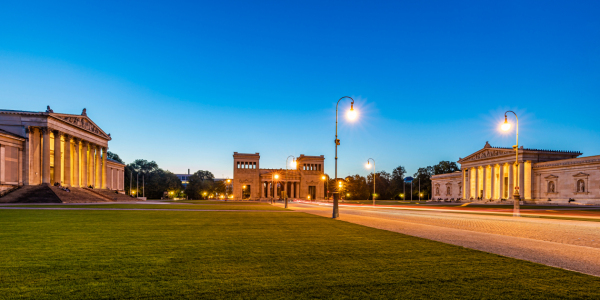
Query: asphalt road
[{"x": 572, "y": 245}]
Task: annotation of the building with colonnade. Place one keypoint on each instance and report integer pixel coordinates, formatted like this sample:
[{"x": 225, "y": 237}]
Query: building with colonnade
[
  {"x": 44, "y": 148},
  {"x": 543, "y": 176}
]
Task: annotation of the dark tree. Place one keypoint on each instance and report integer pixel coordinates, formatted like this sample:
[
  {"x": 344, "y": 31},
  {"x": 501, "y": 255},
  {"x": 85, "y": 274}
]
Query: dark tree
[
  {"x": 445, "y": 167},
  {"x": 114, "y": 157}
]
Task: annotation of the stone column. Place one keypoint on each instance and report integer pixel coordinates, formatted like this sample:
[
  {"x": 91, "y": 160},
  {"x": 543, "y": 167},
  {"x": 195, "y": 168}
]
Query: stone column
[
  {"x": 476, "y": 183},
  {"x": 46, "y": 156},
  {"x": 84, "y": 164},
  {"x": 284, "y": 186},
  {"x": 501, "y": 186},
  {"x": 98, "y": 164},
  {"x": 57, "y": 157},
  {"x": 34, "y": 156},
  {"x": 68, "y": 165},
  {"x": 104, "y": 153},
  {"x": 484, "y": 183},
  {"x": 2, "y": 164},
  {"x": 20, "y": 167},
  {"x": 493, "y": 182},
  {"x": 76, "y": 160},
  {"x": 511, "y": 180},
  {"x": 91, "y": 162},
  {"x": 522, "y": 180}
]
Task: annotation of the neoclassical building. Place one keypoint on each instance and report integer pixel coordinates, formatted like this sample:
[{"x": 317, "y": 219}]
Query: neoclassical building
[
  {"x": 543, "y": 176},
  {"x": 250, "y": 182},
  {"x": 43, "y": 148}
]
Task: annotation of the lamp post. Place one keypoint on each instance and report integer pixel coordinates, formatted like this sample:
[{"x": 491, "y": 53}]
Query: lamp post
[
  {"x": 286, "y": 174},
  {"x": 374, "y": 172},
  {"x": 326, "y": 179},
  {"x": 273, "y": 177},
  {"x": 516, "y": 196},
  {"x": 228, "y": 181},
  {"x": 351, "y": 115}
]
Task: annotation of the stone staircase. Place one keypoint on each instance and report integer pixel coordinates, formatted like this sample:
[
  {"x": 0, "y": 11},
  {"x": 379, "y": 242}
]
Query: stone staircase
[
  {"x": 78, "y": 195},
  {"x": 113, "y": 196},
  {"x": 31, "y": 194}
]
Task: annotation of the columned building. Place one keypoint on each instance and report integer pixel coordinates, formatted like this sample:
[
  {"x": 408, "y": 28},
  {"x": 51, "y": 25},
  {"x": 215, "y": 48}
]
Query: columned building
[
  {"x": 250, "y": 182},
  {"x": 491, "y": 174},
  {"x": 43, "y": 148}
]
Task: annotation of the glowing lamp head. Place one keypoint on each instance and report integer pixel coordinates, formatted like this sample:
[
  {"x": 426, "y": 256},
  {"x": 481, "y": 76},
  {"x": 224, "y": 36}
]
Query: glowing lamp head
[
  {"x": 242, "y": 187},
  {"x": 368, "y": 165},
  {"x": 323, "y": 177},
  {"x": 505, "y": 125},
  {"x": 276, "y": 176},
  {"x": 352, "y": 114}
]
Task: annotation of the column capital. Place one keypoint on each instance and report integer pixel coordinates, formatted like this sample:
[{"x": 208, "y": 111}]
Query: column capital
[
  {"x": 56, "y": 132},
  {"x": 76, "y": 140},
  {"x": 44, "y": 130}
]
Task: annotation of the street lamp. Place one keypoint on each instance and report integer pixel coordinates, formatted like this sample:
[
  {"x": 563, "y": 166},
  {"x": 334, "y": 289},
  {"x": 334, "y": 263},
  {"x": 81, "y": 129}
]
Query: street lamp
[
  {"x": 273, "y": 177},
  {"x": 204, "y": 194},
  {"x": 286, "y": 174},
  {"x": 369, "y": 166},
  {"x": 324, "y": 178},
  {"x": 351, "y": 115},
  {"x": 516, "y": 196},
  {"x": 227, "y": 182}
]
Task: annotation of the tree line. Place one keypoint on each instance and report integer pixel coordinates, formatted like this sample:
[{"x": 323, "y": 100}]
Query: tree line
[
  {"x": 144, "y": 177},
  {"x": 202, "y": 184},
  {"x": 394, "y": 186}
]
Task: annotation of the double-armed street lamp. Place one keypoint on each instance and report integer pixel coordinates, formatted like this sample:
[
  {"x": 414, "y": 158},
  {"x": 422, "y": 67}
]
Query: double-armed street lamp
[
  {"x": 286, "y": 174},
  {"x": 516, "y": 196},
  {"x": 374, "y": 171},
  {"x": 351, "y": 115}
]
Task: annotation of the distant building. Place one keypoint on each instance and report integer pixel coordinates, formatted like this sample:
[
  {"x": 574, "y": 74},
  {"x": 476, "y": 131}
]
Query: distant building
[
  {"x": 185, "y": 178},
  {"x": 252, "y": 183}
]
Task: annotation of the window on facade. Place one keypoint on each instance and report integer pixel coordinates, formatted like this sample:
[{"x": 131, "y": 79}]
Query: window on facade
[{"x": 580, "y": 186}]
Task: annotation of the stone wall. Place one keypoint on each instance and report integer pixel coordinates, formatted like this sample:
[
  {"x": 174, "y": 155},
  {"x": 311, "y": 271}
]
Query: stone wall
[
  {"x": 561, "y": 180},
  {"x": 447, "y": 186}
]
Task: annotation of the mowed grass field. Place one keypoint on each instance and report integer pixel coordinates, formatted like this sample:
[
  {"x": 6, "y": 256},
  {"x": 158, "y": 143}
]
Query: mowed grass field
[
  {"x": 222, "y": 206},
  {"x": 66, "y": 254}
]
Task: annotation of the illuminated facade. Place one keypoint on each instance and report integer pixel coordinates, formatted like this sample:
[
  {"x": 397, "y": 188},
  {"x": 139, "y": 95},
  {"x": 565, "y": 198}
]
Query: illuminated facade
[
  {"x": 543, "y": 176},
  {"x": 43, "y": 148},
  {"x": 250, "y": 182}
]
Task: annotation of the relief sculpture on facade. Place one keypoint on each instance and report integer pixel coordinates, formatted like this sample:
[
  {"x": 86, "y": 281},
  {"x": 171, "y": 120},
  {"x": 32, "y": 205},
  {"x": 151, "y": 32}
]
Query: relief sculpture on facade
[{"x": 84, "y": 124}]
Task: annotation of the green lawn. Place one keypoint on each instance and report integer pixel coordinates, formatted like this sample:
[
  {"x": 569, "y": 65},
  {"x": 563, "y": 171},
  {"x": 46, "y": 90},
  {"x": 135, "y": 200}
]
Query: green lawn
[
  {"x": 224, "y": 255},
  {"x": 163, "y": 206}
]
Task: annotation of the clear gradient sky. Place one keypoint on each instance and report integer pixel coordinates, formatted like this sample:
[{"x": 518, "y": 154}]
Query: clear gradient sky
[{"x": 188, "y": 83}]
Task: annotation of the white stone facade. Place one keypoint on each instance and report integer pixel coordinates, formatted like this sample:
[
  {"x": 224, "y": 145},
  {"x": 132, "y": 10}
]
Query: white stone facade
[
  {"x": 46, "y": 148},
  {"x": 250, "y": 182},
  {"x": 542, "y": 176}
]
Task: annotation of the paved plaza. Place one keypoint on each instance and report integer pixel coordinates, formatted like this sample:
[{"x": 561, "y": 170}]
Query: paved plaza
[{"x": 568, "y": 244}]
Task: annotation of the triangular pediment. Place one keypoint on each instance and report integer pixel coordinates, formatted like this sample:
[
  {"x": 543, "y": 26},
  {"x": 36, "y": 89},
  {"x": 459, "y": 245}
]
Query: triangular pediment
[
  {"x": 82, "y": 122},
  {"x": 485, "y": 153},
  {"x": 551, "y": 177},
  {"x": 581, "y": 174}
]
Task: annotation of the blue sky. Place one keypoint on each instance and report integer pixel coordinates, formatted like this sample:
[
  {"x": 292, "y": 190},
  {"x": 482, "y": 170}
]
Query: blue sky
[{"x": 188, "y": 83}]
